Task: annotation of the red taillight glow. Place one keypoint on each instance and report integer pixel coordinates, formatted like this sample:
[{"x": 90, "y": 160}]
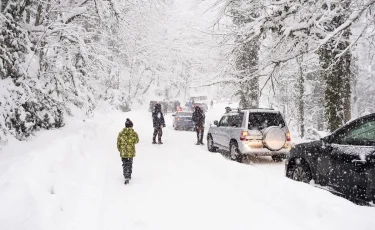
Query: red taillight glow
[
  {"x": 243, "y": 135},
  {"x": 288, "y": 136}
]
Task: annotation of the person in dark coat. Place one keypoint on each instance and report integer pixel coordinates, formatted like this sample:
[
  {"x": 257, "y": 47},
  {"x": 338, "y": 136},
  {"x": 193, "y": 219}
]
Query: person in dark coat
[
  {"x": 158, "y": 123},
  {"x": 199, "y": 120}
]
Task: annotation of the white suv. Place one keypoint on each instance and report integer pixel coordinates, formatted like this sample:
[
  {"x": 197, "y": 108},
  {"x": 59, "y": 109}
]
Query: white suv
[{"x": 256, "y": 132}]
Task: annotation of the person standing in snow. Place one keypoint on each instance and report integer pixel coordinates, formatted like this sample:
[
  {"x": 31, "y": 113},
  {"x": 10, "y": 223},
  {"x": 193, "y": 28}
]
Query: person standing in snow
[
  {"x": 158, "y": 123},
  {"x": 190, "y": 105},
  {"x": 199, "y": 120},
  {"x": 126, "y": 141}
]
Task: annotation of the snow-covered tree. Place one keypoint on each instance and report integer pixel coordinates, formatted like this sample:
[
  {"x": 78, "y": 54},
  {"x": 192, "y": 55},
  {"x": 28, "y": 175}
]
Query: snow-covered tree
[{"x": 296, "y": 31}]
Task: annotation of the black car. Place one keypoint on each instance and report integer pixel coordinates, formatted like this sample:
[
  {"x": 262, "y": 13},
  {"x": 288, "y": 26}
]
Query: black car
[
  {"x": 343, "y": 162},
  {"x": 183, "y": 120}
]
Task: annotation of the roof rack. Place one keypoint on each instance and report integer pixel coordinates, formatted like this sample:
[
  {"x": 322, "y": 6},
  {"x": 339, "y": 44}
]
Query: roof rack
[
  {"x": 228, "y": 109},
  {"x": 257, "y": 108}
]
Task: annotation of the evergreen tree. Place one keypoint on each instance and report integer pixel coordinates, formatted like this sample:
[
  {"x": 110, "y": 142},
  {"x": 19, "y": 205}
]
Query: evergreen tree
[
  {"x": 337, "y": 73},
  {"x": 246, "y": 63},
  {"x": 246, "y": 60}
]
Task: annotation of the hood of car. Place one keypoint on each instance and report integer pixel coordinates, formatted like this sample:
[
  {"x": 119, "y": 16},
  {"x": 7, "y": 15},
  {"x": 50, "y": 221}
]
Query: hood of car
[{"x": 308, "y": 145}]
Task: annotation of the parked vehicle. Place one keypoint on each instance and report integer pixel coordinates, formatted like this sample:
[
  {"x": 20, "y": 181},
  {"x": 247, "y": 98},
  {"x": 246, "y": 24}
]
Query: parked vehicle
[
  {"x": 182, "y": 120},
  {"x": 200, "y": 98},
  {"x": 152, "y": 105},
  {"x": 256, "y": 132},
  {"x": 343, "y": 161},
  {"x": 173, "y": 105},
  {"x": 164, "y": 106}
]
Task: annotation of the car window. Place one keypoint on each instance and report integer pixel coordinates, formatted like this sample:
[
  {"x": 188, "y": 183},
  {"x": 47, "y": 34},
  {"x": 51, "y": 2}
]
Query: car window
[
  {"x": 224, "y": 121},
  {"x": 360, "y": 134},
  {"x": 259, "y": 121},
  {"x": 184, "y": 114},
  {"x": 235, "y": 120}
]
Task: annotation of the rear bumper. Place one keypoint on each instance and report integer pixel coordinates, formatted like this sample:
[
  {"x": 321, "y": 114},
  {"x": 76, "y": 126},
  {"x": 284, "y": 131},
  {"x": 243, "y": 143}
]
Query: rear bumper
[
  {"x": 246, "y": 150},
  {"x": 184, "y": 125}
]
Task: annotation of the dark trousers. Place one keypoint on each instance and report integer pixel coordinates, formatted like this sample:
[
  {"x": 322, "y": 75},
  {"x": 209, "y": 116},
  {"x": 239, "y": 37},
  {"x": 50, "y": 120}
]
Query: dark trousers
[
  {"x": 200, "y": 133},
  {"x": 127, "y": 166},
  {"x": 157, "y": 132}
]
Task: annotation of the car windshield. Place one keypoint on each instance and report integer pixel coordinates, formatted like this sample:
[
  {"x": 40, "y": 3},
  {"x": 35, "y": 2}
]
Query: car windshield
[{"x": 261, "y": 120}]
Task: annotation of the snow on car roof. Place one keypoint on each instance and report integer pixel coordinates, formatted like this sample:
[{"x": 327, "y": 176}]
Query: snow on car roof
[
  {"x": 258, "y": 110},
  {"x": 263, "y": 110}
]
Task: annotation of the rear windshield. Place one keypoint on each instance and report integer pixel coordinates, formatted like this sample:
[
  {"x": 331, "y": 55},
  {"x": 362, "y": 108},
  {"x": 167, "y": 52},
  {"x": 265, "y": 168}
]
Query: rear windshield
[
  {"x": 261, "y": 121},
  {"x": 184, "y": 114}
]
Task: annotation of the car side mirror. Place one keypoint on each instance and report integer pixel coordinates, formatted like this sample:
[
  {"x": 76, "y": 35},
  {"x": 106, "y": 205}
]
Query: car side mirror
[
  {"x": 173, "y": 115},
  {"x": 216, "y": 123}
]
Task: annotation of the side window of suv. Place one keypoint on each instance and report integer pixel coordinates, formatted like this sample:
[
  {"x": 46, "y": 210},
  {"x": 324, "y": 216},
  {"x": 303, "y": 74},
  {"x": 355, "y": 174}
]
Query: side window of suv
[
  {"x": 361, "y": 134},
  {"x": 235, "y": 120},
  {"x": 224, "y": 121}
]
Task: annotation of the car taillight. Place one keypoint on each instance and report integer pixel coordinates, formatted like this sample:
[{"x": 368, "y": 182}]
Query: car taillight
[
  {"x": 243, "y": 136},
  {"x": 288, "y": 136},
  {"x": 178, "y": 118}
]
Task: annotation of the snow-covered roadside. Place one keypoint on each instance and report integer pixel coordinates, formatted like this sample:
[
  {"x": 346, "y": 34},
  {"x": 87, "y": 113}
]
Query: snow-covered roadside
[
  {"x": 71, "y": 179},
  {"x": 42, "y": 180}
]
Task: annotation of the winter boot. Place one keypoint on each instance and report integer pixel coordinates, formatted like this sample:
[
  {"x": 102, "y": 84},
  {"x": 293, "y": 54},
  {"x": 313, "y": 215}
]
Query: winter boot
[
  {"x": 126, "y": 181},
  {"x": 201, "y": 139},
  {"x": 160, "y": 142}
]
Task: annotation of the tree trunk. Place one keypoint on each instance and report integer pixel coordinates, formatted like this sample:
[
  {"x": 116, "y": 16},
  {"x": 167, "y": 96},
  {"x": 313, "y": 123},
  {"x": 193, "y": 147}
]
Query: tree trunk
[
  {"x": 337, "y": 76},
  {"x": 301, "y": 99},
  {"x": 247, "y": 61}
]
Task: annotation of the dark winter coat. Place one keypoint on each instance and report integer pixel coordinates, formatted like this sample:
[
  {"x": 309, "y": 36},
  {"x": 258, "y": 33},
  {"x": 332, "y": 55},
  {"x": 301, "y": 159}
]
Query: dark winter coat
[
  {"x": 199, "y": 118},
  {"x": 158, "y": 119},
  {"x": 126, "y": 141}
]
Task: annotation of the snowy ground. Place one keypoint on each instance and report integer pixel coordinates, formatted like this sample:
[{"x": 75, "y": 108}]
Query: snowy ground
[{"x": 72, "y": 179}]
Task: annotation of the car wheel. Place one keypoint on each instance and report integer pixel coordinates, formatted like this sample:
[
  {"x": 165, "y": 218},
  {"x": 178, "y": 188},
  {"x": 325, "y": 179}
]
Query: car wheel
[
  {"x": 300, "y": 171},
  {"x": 210, "y": 144},
  {"x": 277, "y": 158},
  {"x": 234, "y": 152}
]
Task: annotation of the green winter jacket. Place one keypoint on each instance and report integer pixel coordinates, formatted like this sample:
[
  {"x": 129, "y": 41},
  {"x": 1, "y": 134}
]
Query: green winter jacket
[{"x": 126, "y": 141}]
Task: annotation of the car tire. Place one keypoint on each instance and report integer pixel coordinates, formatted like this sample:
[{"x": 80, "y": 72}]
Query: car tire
[
  {"x": 299, "y": 171},
  {"x": 210, "y": 144},
  {"x": 277, "y": 158},
  {"x": 234, "y": 152}
]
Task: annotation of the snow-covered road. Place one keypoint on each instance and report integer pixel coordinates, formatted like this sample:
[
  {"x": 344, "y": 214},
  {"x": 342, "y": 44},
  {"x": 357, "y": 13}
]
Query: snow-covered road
[{"x": 72, "y": 179}]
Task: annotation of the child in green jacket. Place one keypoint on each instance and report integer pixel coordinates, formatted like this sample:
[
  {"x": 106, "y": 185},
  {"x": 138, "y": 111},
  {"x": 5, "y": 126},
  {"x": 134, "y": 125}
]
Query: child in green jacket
[{"x": 126, "y": 141}]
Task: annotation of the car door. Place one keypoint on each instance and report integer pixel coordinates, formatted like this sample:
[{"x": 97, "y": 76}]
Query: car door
[
  {"x": 349, "y": 154},
  {"x": 220, "y": 133},
  {"x": 234, "y": 127}
]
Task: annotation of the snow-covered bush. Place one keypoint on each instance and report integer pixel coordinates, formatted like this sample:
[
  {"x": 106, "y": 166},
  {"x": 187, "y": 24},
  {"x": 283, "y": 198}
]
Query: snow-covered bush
[{"x": 24, "y": 105}]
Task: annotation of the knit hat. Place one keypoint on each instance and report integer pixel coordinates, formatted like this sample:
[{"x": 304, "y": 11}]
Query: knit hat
[{"x": 128, "y": 123}]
